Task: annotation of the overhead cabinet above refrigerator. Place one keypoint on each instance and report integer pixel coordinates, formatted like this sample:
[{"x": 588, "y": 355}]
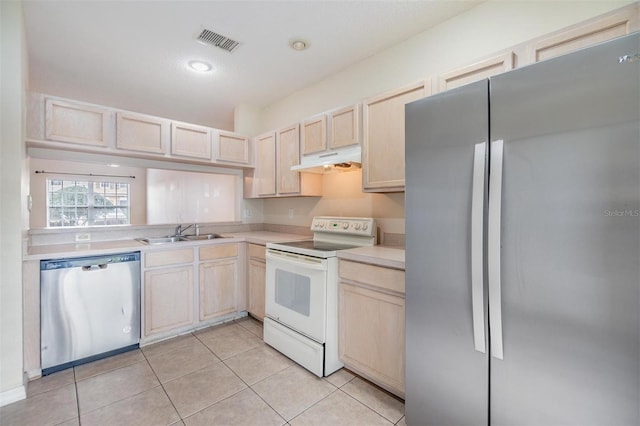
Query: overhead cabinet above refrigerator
[{"x": 523, "y": 245}]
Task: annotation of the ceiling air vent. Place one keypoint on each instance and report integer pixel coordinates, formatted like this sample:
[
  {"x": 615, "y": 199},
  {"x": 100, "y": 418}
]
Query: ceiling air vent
[{"x": 217, "y": 40}]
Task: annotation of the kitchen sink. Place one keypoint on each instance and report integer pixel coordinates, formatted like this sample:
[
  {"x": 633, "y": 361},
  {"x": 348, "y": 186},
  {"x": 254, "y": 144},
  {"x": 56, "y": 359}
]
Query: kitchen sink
[
  {"x": 161, "y": 240},
  {"x": 178, "y": 238},
  {"x": 203, "y": 237}
]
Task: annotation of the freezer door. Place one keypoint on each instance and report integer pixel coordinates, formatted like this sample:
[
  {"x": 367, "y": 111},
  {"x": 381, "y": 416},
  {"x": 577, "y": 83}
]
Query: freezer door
[
  {"x": 570, "y": 260},
  {"x": 446, "y": 368}
]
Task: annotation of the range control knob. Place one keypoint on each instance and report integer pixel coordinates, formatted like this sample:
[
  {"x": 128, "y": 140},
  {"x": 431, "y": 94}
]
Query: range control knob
[
  {"x": 357, "y": 226},
  {"x": 345, "y": 225},
  {"x": 365, "y": 226}
]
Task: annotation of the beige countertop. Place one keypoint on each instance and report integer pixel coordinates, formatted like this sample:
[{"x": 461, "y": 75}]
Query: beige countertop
[
  {"x": 58, "y": 251},
  {"x": 389, "y": 257}
]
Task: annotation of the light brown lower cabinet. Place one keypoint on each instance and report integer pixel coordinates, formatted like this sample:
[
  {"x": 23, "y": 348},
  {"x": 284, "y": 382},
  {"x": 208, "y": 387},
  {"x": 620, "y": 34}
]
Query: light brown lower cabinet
[
  {"x": 257, "y": 270},
  {"x": 372, "y": 323},
  {"x": 218, "y": 276},
  {"x": 168, "y": 295}
]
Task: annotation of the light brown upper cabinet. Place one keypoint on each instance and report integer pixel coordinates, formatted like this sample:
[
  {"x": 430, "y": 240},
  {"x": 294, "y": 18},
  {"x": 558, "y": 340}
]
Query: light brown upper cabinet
[
  {"x": 383, "y": 143},
  {"x": 76, "y": 123},
  {"x": 231, "y": 147},
  {"x": 287, "y": 155},
  {"x": 313, "y": 137},
  {"x": 478, "y": 71},
  {"x": 189, "y": 140},
  {"x": 345, "y": 126},
  {"x": 600, "y": 29},
  {"x": 265, "y": 171},
  {"x": 137, "y": 132},
  {"x": 276, "y": 152}
]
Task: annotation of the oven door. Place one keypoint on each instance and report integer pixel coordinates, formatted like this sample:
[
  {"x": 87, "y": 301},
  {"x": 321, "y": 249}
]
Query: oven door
[{"x": 296, "y": 292}]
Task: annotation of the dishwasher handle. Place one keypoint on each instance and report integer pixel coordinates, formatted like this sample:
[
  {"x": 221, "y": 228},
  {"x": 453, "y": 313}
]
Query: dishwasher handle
[
  {"x": 95, "y": 267},
  {"x": 82, "y": 262}
]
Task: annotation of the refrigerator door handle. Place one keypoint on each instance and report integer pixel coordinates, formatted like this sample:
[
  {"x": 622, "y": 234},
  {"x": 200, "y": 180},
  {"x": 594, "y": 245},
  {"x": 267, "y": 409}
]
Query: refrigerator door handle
[
  {"x": 493, "y": 255},
  {"x": 477, "y": 242}
]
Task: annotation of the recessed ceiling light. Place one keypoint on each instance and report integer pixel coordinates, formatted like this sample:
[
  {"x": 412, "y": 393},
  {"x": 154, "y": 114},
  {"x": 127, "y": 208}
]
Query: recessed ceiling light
[
  {"x": 298, "y": 45},
  {"x": 200, "y": 66},
  {"x": 113, "y": 165}
]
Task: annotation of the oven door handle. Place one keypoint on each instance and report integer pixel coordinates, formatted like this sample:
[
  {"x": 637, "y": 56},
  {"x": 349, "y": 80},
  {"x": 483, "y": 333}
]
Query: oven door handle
[{"x": 309, "y": 262}]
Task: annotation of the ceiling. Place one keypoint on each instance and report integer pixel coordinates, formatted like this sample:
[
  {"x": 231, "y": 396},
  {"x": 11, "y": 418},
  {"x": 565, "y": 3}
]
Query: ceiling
[{"x": 133, "y": 54}]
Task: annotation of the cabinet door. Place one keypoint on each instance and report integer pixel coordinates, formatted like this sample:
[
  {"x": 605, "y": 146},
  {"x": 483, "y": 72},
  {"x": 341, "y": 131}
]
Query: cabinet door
[
  {"x": 601, "y": 29},
  {"x": 345, "y": 127},
  {"x": 168, "y": 299},
  {"x": 313, "y": 136},
  {"x": 476, "y": 72},
  {"x": 383, "y": 144},
  {"x": 372, "y": 335},
  {"x": 265, "y": 171},
  {"x": 138, "y": 132},
  {"x": 288, "y": 155},
  {"x": 218, "y": 288},
  {"x": 190, "y": 141},
  {"x": 232, "y": 147},
  {"x": 257, "y": 274},
  {"x": 76, "y": 123}
]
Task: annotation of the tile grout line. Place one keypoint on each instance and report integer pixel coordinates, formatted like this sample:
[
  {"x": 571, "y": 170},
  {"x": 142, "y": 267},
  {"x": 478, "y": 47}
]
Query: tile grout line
[
  {"x": 248, "y": 386},
  {"x": 369, "y": 408},
  {"x": 75, "y": 386},
  {"x": 162, "y": 384}
]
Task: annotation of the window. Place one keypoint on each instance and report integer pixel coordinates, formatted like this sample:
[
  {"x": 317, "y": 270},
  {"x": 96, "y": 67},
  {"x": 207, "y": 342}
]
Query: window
[{"x": 85, "y": 203}]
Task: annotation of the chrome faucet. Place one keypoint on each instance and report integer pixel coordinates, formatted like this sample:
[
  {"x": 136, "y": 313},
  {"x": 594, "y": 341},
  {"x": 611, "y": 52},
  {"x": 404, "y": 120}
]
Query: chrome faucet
[{"x": 180, "y": 229}]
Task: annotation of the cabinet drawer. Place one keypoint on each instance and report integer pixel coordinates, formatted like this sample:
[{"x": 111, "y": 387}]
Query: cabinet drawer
[
  {"x": 169, "y": 257},
  {"x": 218, "y": 251},
  {"x": 257, "y": 252},
  {"x": 376, "y": 276}
]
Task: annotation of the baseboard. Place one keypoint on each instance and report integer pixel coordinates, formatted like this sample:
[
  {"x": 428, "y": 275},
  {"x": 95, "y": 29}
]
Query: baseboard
[{"x": 12, "y": 395}]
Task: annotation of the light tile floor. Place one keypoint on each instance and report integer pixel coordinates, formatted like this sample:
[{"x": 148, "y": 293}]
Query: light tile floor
[{"x": 221, "y": 375}]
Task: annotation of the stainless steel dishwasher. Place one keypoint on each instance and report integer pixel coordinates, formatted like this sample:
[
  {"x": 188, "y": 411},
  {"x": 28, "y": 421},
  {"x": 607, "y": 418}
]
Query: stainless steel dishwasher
[{"x": 89, "y": 308}]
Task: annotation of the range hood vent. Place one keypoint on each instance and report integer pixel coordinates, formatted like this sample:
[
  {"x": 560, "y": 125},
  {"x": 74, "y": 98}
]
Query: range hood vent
[
  {"x": 217, "y": 40},
  {"x": 340, "y": 160}
]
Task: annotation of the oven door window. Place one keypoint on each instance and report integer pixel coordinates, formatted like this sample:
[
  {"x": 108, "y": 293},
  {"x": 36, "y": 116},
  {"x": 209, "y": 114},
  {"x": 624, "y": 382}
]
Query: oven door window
[
  {"x": 296, "y": 294},
  {"x": 293, "y": 291}
]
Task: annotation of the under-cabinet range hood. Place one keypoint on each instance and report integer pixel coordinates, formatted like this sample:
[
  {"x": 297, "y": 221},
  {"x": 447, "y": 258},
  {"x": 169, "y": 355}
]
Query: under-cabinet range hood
[{"x": 339, "y": 160}]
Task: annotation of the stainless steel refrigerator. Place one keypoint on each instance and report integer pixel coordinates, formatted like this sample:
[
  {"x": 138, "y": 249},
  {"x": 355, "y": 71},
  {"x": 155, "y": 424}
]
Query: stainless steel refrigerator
[{"x": 523, "y": 246}]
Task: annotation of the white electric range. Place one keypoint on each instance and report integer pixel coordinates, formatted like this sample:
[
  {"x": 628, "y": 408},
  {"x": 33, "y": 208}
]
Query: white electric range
[{"x": 301, "y": 296}]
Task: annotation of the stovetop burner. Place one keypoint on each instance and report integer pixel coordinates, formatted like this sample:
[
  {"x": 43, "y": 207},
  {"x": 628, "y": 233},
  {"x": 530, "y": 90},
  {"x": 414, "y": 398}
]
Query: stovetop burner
[
  {"x": 318, "y": 245},
  {"x": 331, "y": 234}
]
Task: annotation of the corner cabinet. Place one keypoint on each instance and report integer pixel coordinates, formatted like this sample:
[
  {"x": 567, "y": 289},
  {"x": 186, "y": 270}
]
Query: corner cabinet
[
  {"x": 218, "y": 276},
  {"x": 275, "y": 153},
  {"x": 371, "y": 323},
  {"x": 256, "y": 275},
  {"x": 231, "y": 147},
  {"x": 383, "y": 142},
  {"x": 265, "y": 171},
  {"x": 288, "y": 155}
]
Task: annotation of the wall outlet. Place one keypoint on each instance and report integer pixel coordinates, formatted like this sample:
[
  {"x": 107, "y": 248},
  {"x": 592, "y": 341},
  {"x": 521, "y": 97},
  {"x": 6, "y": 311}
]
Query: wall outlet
[
  {"x": 246, "y": 213},
  {"x": 290, "y": 213},
  {"x": 83, "y": 237}
]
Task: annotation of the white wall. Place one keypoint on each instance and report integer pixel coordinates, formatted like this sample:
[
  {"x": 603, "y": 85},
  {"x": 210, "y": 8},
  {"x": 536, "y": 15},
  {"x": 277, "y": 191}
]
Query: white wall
[
  {"x": 12, "y": 85},
  {"x": 476, "y": 34}
]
